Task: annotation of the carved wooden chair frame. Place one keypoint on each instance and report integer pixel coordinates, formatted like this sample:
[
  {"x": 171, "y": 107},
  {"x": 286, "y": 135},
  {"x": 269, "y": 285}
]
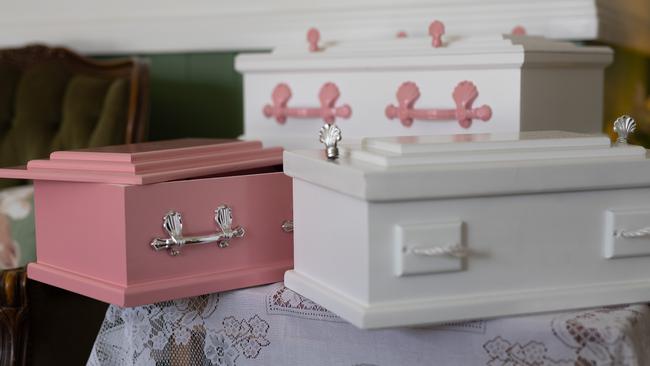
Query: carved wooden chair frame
[{"x": 136, "y": 70}]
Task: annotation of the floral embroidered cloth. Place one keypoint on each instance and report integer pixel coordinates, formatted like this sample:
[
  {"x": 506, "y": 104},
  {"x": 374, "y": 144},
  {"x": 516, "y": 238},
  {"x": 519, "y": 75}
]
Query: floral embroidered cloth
[{"x": 271, "y": 325}]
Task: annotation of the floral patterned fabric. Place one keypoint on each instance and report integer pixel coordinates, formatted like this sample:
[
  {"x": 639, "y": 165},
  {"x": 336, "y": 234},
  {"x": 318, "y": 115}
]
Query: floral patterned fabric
[
  {"x": 272, "y": 325},
  {"x": 17, "y": 237}
]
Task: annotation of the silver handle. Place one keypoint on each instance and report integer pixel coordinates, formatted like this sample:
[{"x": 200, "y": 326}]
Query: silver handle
[
  {"x": 450, "y": 250},
  {"x": 173, "y": 225},
  {"x": 632, "y": 233}
]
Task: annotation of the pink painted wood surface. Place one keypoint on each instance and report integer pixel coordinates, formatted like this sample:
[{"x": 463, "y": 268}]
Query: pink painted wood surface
[
  {"x": 436, "y": 30},
  {"x": 157, "y": 150},
  {"x": 150, "y": 162},
  {"x": 157, "y": 291},
  {"x": 328, "y": 112},
  {"x": 76, "y": 222},
  {"x": 94, "y": 238},
  {"x": 157, "y": 166},
  {"x": 464, "y": 95}
]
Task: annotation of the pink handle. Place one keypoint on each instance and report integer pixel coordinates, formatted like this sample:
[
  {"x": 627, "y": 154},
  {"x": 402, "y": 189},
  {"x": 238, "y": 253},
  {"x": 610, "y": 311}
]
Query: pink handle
[
  {"x": 313, "y": 36},
  {"x": 519, "y": 31},
  {"x": 328, "y": 95},
  {"x": 436, "y": 30},
  {"x": 464, "y": 95}
]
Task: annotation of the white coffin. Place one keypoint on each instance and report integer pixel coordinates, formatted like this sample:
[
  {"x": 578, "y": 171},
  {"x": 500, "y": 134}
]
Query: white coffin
[
  {"x": 419, "y": 230},
  {"x": 528, "y": 83}
]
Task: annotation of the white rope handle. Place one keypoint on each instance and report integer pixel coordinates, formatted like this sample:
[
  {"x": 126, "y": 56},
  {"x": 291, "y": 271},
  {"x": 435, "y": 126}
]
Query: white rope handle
[
  {"x": 451, "y": 250},
  {"x": 633, "y": 234}
]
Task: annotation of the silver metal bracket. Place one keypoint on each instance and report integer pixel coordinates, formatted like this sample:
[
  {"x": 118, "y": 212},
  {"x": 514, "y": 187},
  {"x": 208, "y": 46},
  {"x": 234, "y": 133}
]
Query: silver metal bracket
[
  {"x": 624, "y": 126},
  {"x": 173, "y": 225},
  {"x": 287, "y": 226},
  {"x": 330, "y": 135}
]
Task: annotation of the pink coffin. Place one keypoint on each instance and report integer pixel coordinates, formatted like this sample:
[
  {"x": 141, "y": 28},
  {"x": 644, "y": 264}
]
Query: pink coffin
[{"x": 97, "y": 211}]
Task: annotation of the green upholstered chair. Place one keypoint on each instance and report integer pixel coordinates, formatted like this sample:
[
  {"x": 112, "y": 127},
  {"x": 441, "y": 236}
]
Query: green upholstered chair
[{"x": 54, "y": 99}]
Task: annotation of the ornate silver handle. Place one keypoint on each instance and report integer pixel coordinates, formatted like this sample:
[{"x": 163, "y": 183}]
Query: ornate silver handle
[
  {"x": 450, "y": 250},
  {"x": 173, "y": 225},
  {"x": 632, "y": 233}
]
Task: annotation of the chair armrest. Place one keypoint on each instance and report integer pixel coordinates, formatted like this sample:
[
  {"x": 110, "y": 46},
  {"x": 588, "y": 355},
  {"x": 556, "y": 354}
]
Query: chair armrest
[
  {"x": 14, "y": 288},
  {"x": 13, "y": 317}
]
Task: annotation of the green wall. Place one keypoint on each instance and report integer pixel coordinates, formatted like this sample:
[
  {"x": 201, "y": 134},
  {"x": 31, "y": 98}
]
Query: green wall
[{"x": 195, "y": 95}]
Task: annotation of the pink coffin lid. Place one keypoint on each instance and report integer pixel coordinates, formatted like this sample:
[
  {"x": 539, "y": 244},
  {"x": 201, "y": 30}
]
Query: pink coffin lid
[{"x": 149, "y": 162}]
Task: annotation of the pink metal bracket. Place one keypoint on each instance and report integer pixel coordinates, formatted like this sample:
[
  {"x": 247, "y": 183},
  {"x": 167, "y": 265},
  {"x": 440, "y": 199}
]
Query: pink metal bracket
[
  {"x": 464, "y": 95},
  {"x": 436, "y": 30},
  {"x": 328, "y": 95},
  {"x": 313, "y": 37}
]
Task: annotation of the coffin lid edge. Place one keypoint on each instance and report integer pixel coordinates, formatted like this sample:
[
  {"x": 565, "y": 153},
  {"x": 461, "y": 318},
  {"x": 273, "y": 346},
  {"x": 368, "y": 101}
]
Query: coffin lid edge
[
  {"x": 439, "y": 174},
  {"x": 149, "y": 162},
  {"x": 463, "y": 52}
]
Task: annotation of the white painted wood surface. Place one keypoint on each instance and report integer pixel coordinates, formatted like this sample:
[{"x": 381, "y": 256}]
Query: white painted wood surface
[
  {"x": 123, "y": 26},
  {"x": 530, "y": 83},
  {"x": 535, "y": 232},
  {"x": 394, "y": 152}
]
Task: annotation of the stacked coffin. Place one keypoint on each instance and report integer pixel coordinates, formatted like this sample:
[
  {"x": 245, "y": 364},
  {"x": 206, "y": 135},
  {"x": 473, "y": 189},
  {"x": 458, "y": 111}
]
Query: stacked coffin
[
  {"x": 467, "y": 214},
  {"x": 422, "y": 86},
  {"x": 418, "y": 230},
  {"x": 471, "y": 213}
]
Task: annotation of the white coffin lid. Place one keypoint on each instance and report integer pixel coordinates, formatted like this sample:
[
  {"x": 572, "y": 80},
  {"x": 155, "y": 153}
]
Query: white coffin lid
[
  {"x": 426, "y": 167},
  {"x": 457, "y": 52}
]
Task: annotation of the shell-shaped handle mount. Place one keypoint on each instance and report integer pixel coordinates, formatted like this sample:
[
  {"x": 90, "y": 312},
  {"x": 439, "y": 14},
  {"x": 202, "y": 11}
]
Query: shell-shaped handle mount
[
  {"x": 624, "y": 126},
  {"x": 464, "y": 95},
  {"x": 173, "y": 225},
  {"x": 330, "y": 136},
  {"x": 327, "y": 111}
]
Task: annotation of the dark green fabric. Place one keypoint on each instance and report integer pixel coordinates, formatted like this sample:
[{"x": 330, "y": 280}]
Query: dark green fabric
[
  {"x": 46, "y": 108},
  {"x": 110, "y": 128},
  {"x": 93, "y": 114},
  {"x": 8, "y": 80}
]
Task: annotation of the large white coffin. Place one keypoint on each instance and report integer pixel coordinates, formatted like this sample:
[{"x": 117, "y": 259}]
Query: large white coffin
[
  {"x": 418, "y": 230},
  {"x": 405, "y": 86}
]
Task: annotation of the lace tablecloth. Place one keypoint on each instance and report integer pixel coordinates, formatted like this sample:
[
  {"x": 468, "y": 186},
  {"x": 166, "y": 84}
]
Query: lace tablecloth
[{"x": 271, "y": 325}]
